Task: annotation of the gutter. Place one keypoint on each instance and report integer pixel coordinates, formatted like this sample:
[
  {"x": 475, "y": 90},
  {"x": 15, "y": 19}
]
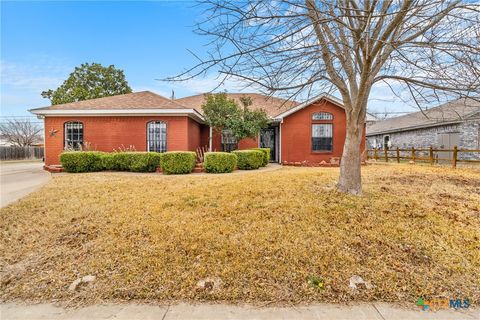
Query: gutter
[{"x": 192, "y": 113}]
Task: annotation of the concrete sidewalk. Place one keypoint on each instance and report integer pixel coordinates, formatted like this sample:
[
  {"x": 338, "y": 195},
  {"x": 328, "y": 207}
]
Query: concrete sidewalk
[{"x": 370, "y": 311}]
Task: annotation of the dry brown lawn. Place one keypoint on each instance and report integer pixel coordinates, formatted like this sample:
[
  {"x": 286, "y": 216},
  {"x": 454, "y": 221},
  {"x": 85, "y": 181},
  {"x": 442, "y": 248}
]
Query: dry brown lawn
[{"x": 415, "y": 232}]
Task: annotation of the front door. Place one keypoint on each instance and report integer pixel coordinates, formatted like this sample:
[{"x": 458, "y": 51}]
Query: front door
[{"x": 268, "y": 139}]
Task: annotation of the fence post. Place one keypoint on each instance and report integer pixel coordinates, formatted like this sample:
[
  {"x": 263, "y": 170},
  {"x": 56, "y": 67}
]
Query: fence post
[
  {"x": 375, "y": 154},
  {"x": 398, "y": 155},
  {"x": 386, "y": 154},
  {"x": 413, "y": 154},
  {"x": 430, "y": 155},
  {"x": 454, "y": 159}
]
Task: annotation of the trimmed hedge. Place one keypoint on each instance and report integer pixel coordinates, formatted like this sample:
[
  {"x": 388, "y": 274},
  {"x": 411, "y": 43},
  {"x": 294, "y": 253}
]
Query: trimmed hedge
[
  {"x": 132, "y": 161},
  {"x": 249, "y": 159},
  {"x": 88, "y": 161},
  {"x": 266, "y": 155},
  {"x": 145, "y": 162},
  {"x": 219, "y": 162},
  {"x": 178, "y": 162},
  {"x": 82, "y": 161}
]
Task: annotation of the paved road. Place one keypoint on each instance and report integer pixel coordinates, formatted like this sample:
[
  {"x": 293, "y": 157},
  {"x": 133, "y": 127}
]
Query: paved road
[
  {"x": 370, "y": 311},
  {"x": 17, "y": 179}
]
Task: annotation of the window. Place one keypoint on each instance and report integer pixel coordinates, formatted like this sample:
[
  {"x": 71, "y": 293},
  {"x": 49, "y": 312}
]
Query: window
[
  {"x": 322, "y": 137},
  {"x": 157, "y": 136},
  {"x": 73, "y": 135},
  {"x": 322, "y": 116},
  {"x": 229, "y": 143}
]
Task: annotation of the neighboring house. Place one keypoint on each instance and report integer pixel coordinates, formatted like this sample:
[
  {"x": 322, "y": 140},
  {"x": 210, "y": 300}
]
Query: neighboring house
[
  {"x": 312, "y": 132},
  {"x": 455, "y": 123}
]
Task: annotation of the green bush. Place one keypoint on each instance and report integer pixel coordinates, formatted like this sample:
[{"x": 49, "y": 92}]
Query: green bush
[
  {"x": 131, "y": 161},
  {"x": 266, "y": 155},
  {"x": 145, "y": 162},
  {"x": 219, "y": 162},
  {"x": 178, "y": 162},
  {"x": 108, "y": 161},
  {"x": 249, "y": 159},
  {"x": 82, "y": 161},
  {"x": 118, "y": 161},
  {"x": 86, "y": 161}
]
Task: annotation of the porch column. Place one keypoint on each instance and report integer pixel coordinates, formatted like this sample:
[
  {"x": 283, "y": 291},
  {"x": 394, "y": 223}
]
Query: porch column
[{"x": 210, "y": 139}]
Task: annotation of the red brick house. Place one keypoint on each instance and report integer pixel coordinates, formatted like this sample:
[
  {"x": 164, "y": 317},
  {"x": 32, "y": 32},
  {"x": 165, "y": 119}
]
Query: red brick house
[{"x": 312, "y": 132}]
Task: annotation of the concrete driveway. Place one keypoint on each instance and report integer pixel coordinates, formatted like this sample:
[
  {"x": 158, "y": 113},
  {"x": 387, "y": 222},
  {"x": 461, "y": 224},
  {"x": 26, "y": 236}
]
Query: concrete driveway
[{"x": 17, "y": 179}]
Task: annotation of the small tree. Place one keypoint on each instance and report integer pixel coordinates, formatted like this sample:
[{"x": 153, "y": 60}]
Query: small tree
[
  {"x": 21, "y": 133},
  {"x": 89, "y": 81},
  {"x": 222, "y": 113}
]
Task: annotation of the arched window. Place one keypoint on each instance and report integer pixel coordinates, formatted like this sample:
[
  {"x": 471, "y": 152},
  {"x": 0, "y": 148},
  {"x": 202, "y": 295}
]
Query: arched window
[
  {"x": 157, "y": 136},
  {"x": 73, "y": 135},
  {"x": 322, "y": 116}
]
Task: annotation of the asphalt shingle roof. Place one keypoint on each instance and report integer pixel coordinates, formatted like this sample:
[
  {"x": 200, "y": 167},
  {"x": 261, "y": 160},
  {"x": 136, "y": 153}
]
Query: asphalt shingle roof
[
  {"x": 135, "y": 100},
  {"x": 149, "y": 100},
  {"x": 272, "y": 105},
  {"x": 450, "y": 112}
]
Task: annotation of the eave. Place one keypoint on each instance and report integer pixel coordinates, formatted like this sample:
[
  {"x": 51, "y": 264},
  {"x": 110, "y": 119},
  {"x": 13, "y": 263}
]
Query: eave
[{"x": 192, "y": 113}]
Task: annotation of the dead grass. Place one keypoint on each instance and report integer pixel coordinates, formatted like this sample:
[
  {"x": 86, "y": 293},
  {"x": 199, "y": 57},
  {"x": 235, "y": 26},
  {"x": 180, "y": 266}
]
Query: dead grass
[{"x": 416, "y": 231}]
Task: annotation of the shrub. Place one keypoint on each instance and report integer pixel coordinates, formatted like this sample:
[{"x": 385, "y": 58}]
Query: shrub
[
  {"x": 85, "y": 161},
  {"x": 219, "y": 162},
  {"x": 131, "y": 161},
  {"x": 177, "y": 162},
  {"x": 108, "y": 161},
  {"x": 118, "y": 161},
  {"x": 249, "y": 159},
  {"x": 82, "y": 161},
  {"x": 266, "y": 155},
  {"x": 145, "y": 161}
]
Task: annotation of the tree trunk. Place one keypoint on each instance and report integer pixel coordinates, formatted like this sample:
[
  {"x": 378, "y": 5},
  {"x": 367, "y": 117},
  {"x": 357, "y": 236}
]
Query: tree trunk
[{"x": 350, "y": 173}]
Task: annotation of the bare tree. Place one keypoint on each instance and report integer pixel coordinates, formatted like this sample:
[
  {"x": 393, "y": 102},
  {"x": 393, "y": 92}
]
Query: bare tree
[
  {"x": 427, "y": 48},
  {"x": 20, "y": 132}
]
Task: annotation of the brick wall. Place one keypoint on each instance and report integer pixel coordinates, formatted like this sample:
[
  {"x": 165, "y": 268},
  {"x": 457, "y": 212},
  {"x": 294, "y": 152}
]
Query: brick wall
[
  {"x": 109, "y": 133},
  {"x": 193, "y": 134},
  {"x": 296, "y": 132}
]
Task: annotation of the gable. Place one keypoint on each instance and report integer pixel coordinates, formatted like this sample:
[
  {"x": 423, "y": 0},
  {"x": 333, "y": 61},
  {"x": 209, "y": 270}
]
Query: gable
[
  {"x": 315, "y": 111},
  {"x": 324, "y": 96}
]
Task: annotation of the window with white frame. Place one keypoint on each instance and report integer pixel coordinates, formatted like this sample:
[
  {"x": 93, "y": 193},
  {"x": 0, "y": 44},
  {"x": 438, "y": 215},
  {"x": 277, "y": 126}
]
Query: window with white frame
[
  {"x": 322, "y": 137},
  {"x": 73, "y": 135},
  {"x": 157, "y": 136},
  {"x": 322, "y": 116}
]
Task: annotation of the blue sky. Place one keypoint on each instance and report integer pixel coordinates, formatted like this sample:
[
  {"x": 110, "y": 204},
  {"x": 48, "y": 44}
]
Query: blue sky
[{"x": 41, "y": 43}]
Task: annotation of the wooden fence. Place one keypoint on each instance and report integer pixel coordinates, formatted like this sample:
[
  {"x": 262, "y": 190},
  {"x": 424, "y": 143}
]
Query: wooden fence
[
  {"x": 429, "y": 155},
  {"x": 21, "y": 153}
]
